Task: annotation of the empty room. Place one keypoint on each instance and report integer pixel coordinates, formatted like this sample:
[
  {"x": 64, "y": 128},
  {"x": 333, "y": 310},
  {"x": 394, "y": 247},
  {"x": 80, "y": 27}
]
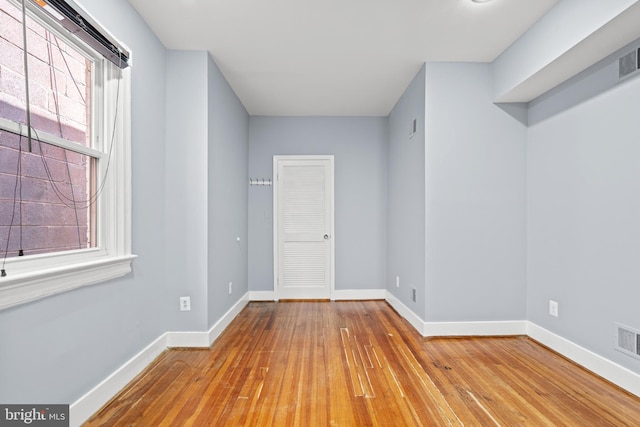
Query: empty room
[{"x": 349, "y": 213}]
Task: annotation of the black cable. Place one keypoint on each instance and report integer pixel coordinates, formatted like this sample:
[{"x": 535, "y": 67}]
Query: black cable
[
  {"x": 13, "y": 208},
  {"x": 54, "y": 89},
  {"x": 92, "y": 199}
]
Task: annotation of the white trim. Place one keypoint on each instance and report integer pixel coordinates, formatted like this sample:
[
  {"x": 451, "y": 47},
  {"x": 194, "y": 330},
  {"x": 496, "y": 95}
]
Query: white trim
[
  {"x": 336, "y": 295},
  {"x": 190, "y": 339},
  {"x": 82, "y": 409},
  {"x": 607, "y": 369},
  {"x": 597, "y": 364},
  {"x": 205, "y": 339},
  {"x": 225, "y": 320},
  {"x": 275, "y": 238},
  {"x": 457, "y": 329},
  {"x": 406, "y": 313},
  {"x": 358, "y": 294},
  {"x": 91, "y": 402},
  {"x": 30, "y": 286},
  {"x": 262, "y": 296},
  {"x": 37, "y": 276},
  {"x": 475, "y": 329},
  {"x": 48, "y": 138}
]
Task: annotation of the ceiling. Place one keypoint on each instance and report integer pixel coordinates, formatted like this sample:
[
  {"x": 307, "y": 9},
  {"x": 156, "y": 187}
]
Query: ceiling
[{"x": 335, "y": 57}]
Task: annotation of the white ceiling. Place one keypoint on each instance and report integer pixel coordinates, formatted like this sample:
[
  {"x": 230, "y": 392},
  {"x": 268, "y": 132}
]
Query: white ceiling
[{"x": 335, "y": 57}]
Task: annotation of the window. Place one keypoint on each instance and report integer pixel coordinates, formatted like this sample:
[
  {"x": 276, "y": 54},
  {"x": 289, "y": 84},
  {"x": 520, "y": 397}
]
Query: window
[{"x": 64, "y": 156}]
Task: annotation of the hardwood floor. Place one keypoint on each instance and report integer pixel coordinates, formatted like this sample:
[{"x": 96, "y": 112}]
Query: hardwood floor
[{"x": 360, "y": 364}]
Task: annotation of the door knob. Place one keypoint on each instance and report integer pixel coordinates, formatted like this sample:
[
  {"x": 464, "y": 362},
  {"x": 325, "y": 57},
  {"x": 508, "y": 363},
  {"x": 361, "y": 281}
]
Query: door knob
[{"x": 326, "y": 236}]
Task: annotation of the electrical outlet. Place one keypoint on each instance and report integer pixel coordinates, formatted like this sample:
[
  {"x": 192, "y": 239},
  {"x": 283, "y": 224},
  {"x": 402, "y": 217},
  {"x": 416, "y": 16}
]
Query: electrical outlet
[
  {"x": 185, "y": 303},
  {"x": 397, "y": 281},
  {"x": 414, "y": 295},
  {"x": 230, "y": 288},
  {"x": 553, "y": 308}
]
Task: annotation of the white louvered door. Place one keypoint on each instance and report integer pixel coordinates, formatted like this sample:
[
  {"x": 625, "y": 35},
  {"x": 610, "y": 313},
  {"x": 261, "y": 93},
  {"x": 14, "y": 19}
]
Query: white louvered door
[{"x": 303, "y": 204}]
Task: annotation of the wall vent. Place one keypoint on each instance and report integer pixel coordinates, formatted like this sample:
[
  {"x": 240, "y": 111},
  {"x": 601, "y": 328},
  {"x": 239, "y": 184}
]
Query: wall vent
[
  {"x": 628, "y": 64},
  {"x": 627, "y": 340}
]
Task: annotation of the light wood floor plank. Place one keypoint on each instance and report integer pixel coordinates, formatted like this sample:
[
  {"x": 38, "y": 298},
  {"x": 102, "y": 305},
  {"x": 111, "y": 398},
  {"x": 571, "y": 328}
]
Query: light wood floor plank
[{"x": 360, "y": 364}]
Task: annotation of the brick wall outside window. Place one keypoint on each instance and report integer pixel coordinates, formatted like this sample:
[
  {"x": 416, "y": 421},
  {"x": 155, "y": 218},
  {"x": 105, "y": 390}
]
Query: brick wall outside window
[{"x": 40, "y": 198}]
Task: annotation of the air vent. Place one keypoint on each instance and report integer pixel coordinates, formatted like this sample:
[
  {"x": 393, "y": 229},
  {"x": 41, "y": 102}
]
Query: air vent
[
  {"x": 628, "y": 64},
  {"x": 627, "y": 340}
]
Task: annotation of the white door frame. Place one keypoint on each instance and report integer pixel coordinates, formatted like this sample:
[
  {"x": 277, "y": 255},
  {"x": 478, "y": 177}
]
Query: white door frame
[{"x": 332, "y": 242}]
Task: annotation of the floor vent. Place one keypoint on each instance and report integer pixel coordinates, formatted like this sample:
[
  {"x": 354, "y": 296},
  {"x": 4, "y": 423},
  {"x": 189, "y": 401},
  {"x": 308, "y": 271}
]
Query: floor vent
[
  {"x": 627, "y": 340},
  {"x": 628, "y": 64}
]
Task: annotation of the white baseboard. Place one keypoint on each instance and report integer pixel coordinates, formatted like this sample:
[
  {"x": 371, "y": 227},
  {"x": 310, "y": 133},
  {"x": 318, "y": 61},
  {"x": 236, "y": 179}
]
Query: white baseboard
[
  {"x": 597, "y": 364},
  {"x": 205, "y": 339},
  {"x": 475, "y": 329},
  {"x": 457, "y": 329},
  {"x": 336, "y": 295},
  {"x": 231, "y": 314},
  {"x": 82, "y": 409},
  {"x": 187, "y": 339},
  {"x": 262, "y": 296},
  {"x": 607, "y": 369},
  {"x": 96, "y": 398},
  {"x": 405, "y": 312},
  {"x": 358, "y": 294},
  {"x": 92, "y": 401}
]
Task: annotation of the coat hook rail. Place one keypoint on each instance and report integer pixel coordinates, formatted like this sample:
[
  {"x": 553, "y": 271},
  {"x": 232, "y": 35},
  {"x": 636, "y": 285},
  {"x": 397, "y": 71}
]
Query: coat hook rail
[{"x": 260, "y": 181}]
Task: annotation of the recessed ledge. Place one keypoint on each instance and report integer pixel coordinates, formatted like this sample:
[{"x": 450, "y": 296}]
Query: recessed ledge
[{"x": 613, "y": 35}]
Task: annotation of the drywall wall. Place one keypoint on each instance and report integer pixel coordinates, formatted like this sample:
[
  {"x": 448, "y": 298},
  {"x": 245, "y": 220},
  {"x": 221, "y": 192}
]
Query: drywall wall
[
  {"x": 475, "y": 199},
  {"x": 227, "y": 201},
  {"x": 565, "y": 26},
  {"x": 583, "y": 183},
  {"x": 186, "y": 188},
  {"x": 56, "y": 349},
  {"x": 359, "y": 147},
  {"x": 406, "y": 195}
]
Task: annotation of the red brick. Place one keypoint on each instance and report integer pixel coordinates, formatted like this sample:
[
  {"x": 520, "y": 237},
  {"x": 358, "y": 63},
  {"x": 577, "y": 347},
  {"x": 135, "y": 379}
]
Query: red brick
[
  {"x": 8, "y": 160},
  {"x": 11, "y": 28},
  {"x": 72, "y": 111},
  {"x": 10, "y": 9},
  {"x": 9, "y": 111},
  {"x": 35, "y": 190},
  {"x": 11, "y": 57},
  {"x": 7, "y": 186},
  {"x": 38, "y": 46},
  {"x": 12, "y": 85},
  {"x": 14, "y": 241}
]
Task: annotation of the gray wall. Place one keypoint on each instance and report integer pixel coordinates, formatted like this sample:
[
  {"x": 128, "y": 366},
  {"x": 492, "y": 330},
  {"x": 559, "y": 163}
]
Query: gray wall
[
  {"x": 206, "y": 180},
  {"x": 359, "y": 147},
  {"x": 406, "y": 206},
  {"x": 583, "y": 218},
  {"x": 189, "y": 155},
  {"x": 186, "y": 188},
  {"x": 475, "y": 205},
  {"x": 228, "y": 157},
  {"x": 56, "y": 349}
]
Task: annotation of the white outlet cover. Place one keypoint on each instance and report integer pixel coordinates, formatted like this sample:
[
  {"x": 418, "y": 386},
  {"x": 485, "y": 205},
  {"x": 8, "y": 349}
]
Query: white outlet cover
[
  {"x": 185, "y": 303},
  {"x": 553, "y": 308}
]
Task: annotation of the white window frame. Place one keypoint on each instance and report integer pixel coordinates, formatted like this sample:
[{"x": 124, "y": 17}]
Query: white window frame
[{"x": 32, "y": 277}]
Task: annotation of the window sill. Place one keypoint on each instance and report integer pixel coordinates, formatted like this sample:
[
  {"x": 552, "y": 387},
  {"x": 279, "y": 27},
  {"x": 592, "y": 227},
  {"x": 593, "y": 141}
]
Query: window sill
[{"x": 30, "y": 286}]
